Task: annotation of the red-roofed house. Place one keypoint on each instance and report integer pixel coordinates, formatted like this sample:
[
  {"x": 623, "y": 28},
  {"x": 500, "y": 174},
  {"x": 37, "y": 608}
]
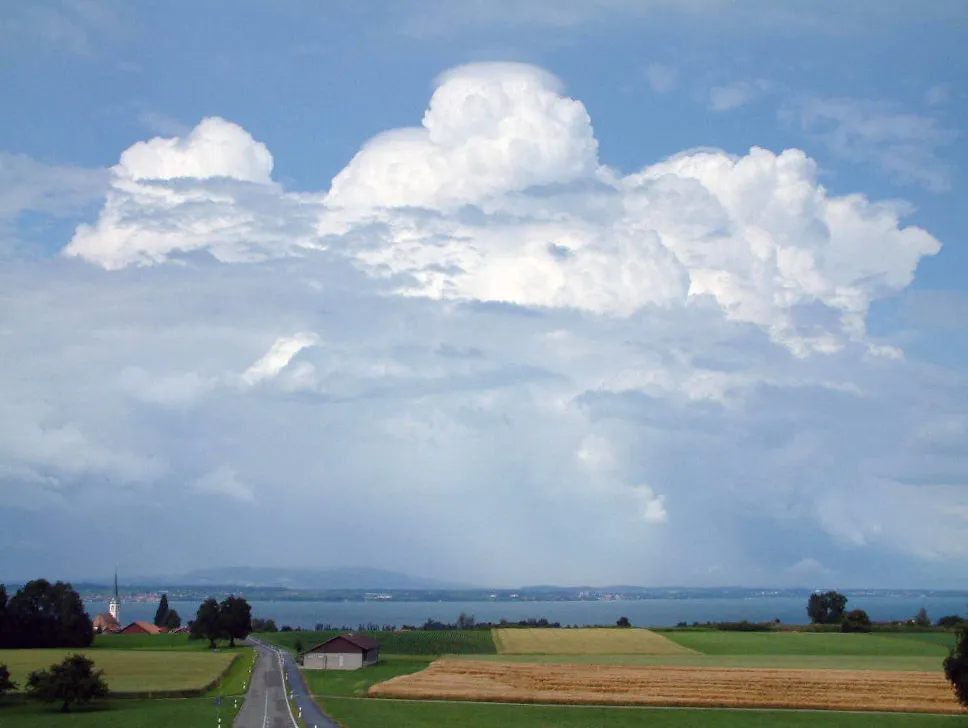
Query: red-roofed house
[
  {"x": 143, "y": 628},
  {"x": 105, "y": 623},
  {"x": 345, "y": 652}
]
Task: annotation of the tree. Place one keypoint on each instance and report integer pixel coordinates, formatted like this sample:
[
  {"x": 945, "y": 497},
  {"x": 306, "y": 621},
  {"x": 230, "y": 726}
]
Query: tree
[
  {"x": 298, "y": 646},
  {"x": 951, "y": 620},
  {"x": 42, "y": 614},
  {"x": 162, "y": 614},
  {"x": 826, "y": 608},
  {"x": 465, "y": 621},
  {"x": 207, "y": 623},
  {"x": 956, "y": 666},
  {"x": 623, "y": 622},
  {"x": 264, "y": 625},
  {"x": 6, "y": 684},
  {"x": 172, "y": 620},
  {"x": 72, "y": 681},
  {"x": 856, "y": 621},
  {"x": 236, "y": 618},
  {"x": 6, "y": 631},
  {"x": 922, "y": 619}
]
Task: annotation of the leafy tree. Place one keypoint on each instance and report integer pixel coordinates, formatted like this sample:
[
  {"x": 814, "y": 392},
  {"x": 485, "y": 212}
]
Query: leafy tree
[
  {"x": 172, "y": 620},
  {"x": 6, "y": 631},
  {"x": 264, "y": 625},
  {"x": 42, "y": 614},
  {"x": 207, "y": 623},
  {"x": 72, "y": 681},
  {"x": 951, "y": 620},
  {"x": 6, "y": 684},
  {"x": 298, "y": 646},
  {"x": 162, "y": 613},
  {"x": 623, "y": 622},
  {"x": 922, "y": 619},
  {"x": 956, "y": 666},
  {"x": 856, "y": 621},
  {"x": 465, "y": 621},
  {"x": 235, "y": 616},
  {"x": 826, "y": 608}
]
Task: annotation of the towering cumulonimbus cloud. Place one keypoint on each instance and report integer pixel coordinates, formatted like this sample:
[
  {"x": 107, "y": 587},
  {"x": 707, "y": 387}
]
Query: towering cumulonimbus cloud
[{"x": 499, "y": 196}]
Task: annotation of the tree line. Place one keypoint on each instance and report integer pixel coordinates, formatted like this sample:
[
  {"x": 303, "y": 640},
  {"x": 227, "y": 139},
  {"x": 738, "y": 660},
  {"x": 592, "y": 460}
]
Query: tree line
[{"x": 831, "y": 608}]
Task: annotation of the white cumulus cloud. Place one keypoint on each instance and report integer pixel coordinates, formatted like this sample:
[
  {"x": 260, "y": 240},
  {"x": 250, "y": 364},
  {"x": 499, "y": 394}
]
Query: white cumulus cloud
[{"x": 278, "y": 357}]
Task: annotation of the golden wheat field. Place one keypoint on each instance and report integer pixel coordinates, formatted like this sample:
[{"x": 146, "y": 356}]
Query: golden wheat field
[
  {"x": 626, "y": 641},
  {"x": 516, "y": 682}
]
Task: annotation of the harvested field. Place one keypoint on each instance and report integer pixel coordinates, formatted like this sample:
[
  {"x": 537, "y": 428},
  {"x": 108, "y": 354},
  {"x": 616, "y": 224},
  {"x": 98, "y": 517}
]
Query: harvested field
[
  {"x": 514, "y": 682},
  {"x": 627, "y": 641}
]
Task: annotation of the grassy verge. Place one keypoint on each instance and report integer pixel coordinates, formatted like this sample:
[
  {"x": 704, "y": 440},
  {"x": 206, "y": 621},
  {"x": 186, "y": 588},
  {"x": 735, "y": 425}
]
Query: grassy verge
[
  {"x": 236, "y": 679},
  {"x": 418, "y": 642},
  {"x": 407, "y": 714},
  {"x": 357, "y": 682}
]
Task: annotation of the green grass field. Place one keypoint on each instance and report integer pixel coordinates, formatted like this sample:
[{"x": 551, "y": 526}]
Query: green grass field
[
  {"x": 147, "y": 642},
  {"x": 419, "y": 642},
  {"x": 190, "y": 713},
  {"x": 409, "y": 714},
  {"x": 357, "y": 682},
  {"x": 813, "y": 643},
  {"x": 129, "y": 671}
]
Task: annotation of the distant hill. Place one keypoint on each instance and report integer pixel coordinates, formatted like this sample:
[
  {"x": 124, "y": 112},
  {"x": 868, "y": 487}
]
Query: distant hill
[{"x": 338, "y": 578}]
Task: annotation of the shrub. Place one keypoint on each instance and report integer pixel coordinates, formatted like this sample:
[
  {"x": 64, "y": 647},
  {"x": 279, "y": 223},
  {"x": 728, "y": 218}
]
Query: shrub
[
  {"x": 856, "y": 621},
  {"x": 956, "y": 666},
  {"x": 6, "y": 684}
]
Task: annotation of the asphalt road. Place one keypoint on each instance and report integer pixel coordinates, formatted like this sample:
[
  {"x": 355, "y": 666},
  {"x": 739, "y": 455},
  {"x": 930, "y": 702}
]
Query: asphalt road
[{"x": 265, "y": 705}]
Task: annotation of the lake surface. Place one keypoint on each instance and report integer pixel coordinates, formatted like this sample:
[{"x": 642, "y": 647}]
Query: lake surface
[{"x": 641, "y": 613}]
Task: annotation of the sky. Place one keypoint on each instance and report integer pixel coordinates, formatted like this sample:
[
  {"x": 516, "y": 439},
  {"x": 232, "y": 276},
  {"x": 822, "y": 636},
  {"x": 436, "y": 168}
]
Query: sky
[{"x": 648, "y": 292}]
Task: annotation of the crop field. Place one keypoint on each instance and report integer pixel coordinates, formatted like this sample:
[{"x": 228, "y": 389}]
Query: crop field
[
  {"x": 675, "y": 686},
  {"x": 813, "y": 643},
  {"x": 417, "y": 642},
  {"x": 416, "y": 714},
  {"x": 915, "y": 663},
  {"x": 130, "y": 671},
  {"x": 585, "y": 642}
]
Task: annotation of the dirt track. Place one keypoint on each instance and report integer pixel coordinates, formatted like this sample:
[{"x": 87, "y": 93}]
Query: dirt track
[{"x": 676, "y": 686}]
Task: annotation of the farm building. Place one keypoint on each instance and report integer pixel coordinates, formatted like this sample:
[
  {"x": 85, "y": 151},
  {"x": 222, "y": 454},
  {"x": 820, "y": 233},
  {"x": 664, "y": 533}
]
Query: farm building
[
  {"x": 345, "y": 652},
  {"x": 105, "y": 623},
  {"x": 142, "y": 628}
]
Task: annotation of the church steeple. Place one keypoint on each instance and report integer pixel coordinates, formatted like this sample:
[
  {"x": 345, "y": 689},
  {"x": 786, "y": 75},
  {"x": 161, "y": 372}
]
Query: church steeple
[{"x": 114, "y": 606}]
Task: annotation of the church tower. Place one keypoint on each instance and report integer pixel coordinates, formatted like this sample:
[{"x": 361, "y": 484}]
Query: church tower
[{"x": 114, "y": 606}]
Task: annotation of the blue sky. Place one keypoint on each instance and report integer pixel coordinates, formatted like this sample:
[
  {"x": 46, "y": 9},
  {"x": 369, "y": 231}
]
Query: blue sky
[{"x": 608, "y": 291}]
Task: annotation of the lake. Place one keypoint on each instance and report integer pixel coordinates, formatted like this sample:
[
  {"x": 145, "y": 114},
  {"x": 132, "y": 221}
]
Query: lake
[{"x": 641, "y": 613}]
